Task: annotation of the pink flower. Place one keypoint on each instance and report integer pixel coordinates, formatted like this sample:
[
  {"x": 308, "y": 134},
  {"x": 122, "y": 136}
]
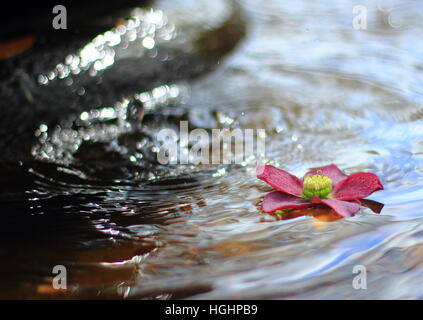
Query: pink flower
[{"x": 327, "y": 185}]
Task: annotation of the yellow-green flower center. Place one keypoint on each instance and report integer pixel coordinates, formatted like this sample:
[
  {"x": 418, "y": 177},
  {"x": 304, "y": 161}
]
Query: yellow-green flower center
[{"x": 316, "y": 185}]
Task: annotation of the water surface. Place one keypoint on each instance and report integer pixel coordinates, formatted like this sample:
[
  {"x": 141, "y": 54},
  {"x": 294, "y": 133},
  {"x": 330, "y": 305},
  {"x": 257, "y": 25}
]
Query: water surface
[{"x": 94, "y": 199}]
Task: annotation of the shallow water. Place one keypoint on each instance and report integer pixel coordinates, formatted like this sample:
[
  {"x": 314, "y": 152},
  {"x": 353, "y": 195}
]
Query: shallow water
[{"x": 94, "y": 199}]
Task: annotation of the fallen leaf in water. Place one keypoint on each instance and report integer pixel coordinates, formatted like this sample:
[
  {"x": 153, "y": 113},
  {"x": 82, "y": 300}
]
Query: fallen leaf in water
[
  {"x": 234, "y": 248},
  {"x": 16, "y": 46}
]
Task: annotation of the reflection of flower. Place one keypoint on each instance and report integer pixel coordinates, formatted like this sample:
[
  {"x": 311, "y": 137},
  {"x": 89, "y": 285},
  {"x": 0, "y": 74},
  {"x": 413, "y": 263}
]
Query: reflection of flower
[{"x": 327, "y": 185}]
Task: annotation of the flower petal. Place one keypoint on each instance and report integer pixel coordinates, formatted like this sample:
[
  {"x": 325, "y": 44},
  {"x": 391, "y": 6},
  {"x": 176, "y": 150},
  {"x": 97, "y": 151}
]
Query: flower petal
[
  {"x": 375, "y": 206},
  {"x": 280, "y": 180},
  {"x": 331, "y": 171},
  {"x": 343, "y": 208},
  {"x": 357, "y": 186},
  {"x": 277, "y": 200}
]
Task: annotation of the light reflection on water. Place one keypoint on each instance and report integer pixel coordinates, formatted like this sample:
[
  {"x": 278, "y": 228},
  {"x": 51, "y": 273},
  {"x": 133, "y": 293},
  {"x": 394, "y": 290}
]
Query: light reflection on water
[{"x": 325, "y": 93}]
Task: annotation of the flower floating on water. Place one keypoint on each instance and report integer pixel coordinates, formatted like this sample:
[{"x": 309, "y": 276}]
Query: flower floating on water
[{"x": 327, "y": 186}]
